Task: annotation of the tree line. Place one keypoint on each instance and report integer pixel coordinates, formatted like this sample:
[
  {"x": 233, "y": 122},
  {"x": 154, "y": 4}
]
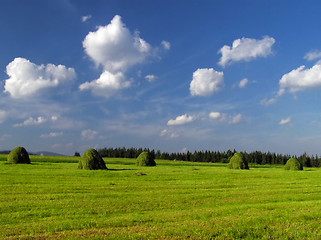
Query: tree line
[{"x": 257, "y": 157}]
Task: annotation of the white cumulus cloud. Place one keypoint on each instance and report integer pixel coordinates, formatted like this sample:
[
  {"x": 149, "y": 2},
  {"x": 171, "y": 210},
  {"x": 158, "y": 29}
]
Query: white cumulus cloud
[
  {"x": 206, "y": 81},
  {"x": 285, "y": 121},
  {"x": 246, "y": 49},
  {"x": 183, "y": 119},
  {"x": 301, "y": 79},
  {"x": 106, "y": 84},
  {"x": 115, "y": 48},
  {"x": 27, "y": 78}
]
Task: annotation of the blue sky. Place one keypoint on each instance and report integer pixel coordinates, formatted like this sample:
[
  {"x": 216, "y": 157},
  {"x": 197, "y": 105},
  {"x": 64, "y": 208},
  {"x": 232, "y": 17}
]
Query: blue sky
[{"x": 167, "y": 75}]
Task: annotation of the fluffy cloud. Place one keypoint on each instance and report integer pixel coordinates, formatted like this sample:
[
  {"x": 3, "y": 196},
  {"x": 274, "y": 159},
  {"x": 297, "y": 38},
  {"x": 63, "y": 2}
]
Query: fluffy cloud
[
  {"x": 215, "y": 115},
  {"x": 183, "y": 119},
  {"x": 206, "y": 81},
  {"x": 285, "y": 121},
  {"x": 31, "y": 121},
  {"x": 297, "y": 80},
  {"x": 243, "y": 83},
  {"x": 301, "y": 79},
  {"x": 106, "y": 84},
  {"x": 89, "y": 134},
  {"x": 54, "y": 118},
  {"x": 150, "y": 77},
  {"x": 115, "y": 48},
  {"x": 223, "y": 117},
  {"x": 246, "y": 49},
  {"x": 310, "y": 56},
  {"x": 35, "y": 121},
  {"x": 27, "y": 78}
]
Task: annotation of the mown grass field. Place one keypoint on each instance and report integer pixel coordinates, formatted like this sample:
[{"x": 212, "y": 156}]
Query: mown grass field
[{"x": 52, "y": 199}]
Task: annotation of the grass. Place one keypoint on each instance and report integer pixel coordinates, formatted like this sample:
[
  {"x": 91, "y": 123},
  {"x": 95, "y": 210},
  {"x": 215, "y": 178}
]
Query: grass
[{"x": 53, "y": 199}]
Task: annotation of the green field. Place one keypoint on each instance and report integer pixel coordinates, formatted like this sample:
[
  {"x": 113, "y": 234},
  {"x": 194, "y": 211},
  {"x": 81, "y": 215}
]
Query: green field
[{"x": 52, "y": 199}]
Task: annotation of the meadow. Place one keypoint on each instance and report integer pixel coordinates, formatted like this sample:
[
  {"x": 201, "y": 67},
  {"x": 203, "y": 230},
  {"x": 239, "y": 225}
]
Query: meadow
[{"x": 52, "y": 199}]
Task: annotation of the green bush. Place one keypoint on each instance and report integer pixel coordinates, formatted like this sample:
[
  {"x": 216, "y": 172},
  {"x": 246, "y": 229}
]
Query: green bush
[
  {"x": 238, "y": 162},
  {"x": 293, "y": 164},
  {"x": 91, "y": 160},
  {"x": 145, "y": 159},
  {"x": 18, "y": 155}
]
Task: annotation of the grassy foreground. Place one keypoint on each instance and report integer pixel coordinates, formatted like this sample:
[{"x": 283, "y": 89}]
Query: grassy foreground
[{"x": 53, "y": 199}]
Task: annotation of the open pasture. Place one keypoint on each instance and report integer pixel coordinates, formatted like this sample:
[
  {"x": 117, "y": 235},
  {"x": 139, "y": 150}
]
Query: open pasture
[{"x": 51, "y": 198}]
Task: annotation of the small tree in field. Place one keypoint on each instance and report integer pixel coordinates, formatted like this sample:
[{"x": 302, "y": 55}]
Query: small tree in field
[
  {"x": 18, "y": 155},
  {"x": 91, "y": 160},
  {"x": 238, "y": 162},
  {"x": 145, "y": 159},
  {"x": 293, "y": 164},
  {"x": 77, "y": 154}
]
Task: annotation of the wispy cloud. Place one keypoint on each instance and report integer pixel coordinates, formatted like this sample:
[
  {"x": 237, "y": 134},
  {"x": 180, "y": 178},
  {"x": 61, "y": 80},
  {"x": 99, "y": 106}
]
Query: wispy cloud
[
  {"x": 36, "y": 121},
  {"x": 89, "y": 134},
  {"x": 243, "y": 83},
  {"x": 166, "y": 45},
  {"x": 52, "y": 135},
  {"x": 150, "y": 77},
  {"x": 3, "y": 115},
  {"x": 312, "y": 55},
  {"x": 268, "y": 101},
  {"x": 169, "y": 133},
  {"x": 31, "y": 121},
  {"x": 86, "y": 18},
  {"x": 285, "y": 121},
  {"x": 224, "y": 117}
]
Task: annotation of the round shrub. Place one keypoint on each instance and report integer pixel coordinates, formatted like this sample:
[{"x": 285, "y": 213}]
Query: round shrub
[
  {"x": 293, "y": 164},
  {"x": 238, "y": 162},
  {"x": 91, "y": 160},
  {"x": 18, "y": 155},
  {"x": 145, "y": 159}
]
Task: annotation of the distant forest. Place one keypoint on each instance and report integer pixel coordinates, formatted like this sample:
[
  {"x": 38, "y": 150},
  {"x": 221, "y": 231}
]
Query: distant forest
[{"x": 212, "y": 156}]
